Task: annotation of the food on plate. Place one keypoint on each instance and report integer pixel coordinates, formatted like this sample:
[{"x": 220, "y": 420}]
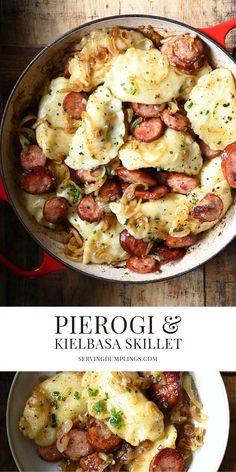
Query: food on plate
[
  {"x": 115, "y": 421},
  {"x": 131, "y": 152}
]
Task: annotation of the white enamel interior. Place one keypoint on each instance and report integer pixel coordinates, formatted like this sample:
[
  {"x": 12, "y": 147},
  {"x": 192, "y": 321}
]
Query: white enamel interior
[
  {"x": 206, "y": 459},
  {"x": 210, "y": 244}
]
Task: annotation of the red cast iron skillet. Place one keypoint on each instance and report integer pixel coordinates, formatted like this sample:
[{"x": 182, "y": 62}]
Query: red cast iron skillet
[{"x": 24, "y": 90}]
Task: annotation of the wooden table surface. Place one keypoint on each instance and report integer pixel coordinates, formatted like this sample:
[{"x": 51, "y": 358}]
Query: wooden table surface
[
  {"x": 26, "y": 27},
  {"x": 228, "y": 463}
]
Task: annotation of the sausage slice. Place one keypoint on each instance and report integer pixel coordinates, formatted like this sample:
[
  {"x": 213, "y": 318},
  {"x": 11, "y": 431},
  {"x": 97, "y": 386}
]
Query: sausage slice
[
  {"x": 167, "y": 460},
  {"x": 177, "y": 242},
  {"x": 89, "y": 209},
  {"x": 206, "y": 151},
  {"x": 135, "y": 247},
  {"x": 147, "y": 111},
  {"x": 111, "y": 190},
  {"x": 185, "y": 52},
  {"x": 167, "y": 255},
  {"x": 179, "y": 183},
  {"x": 55, "y": 209},
  {"x": 92, "y": 463},
  {"x": 75, "y": 103},
  {"x": 140, "y": 177},
  {"x": 88, "y": 176},
  {"x": 38, "y": 180},
  {"x": 142, "y": 265},
  {"x": 78, "y": 445},
  {"x": 101, "y": 438},
  {"x": 209, "y": 208},
  {"x": 32, "y": 157},
  {"x": 228, "y": 163},
  {"x": 49, "y": 453},
  {"x": 165, "y": 389},
  {"x": 153, "y": 193},
  {"x": 148, "y": 130},
  {"x": 175, "y": 121}
]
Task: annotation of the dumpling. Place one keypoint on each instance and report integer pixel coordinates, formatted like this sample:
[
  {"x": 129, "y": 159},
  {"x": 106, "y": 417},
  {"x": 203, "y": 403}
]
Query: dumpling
[
  {"x": 52, "y": 402},
  {"x": 101, "y": 240},
  {"x": 174, "y": 151},
  {"x": 128, "y": 405},
  {"x": 144, "y": 77},
  {"x": 211, "y": 108},
  {"x": 101, "y": 133},
  {"x": 54, "y": 134},
  {"x": 90, "y": 65},
  {"x": 142, "y": 462}
]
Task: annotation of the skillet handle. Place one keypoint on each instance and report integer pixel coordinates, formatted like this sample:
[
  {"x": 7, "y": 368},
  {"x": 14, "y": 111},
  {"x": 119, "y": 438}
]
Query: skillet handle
[
  {"x": 47, "y": 265},
  {"x": 220, "y": 31}
]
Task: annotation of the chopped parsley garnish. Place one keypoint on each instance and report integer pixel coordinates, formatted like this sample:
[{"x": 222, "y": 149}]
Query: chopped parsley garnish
[
  {"x": 92, "y": 393},
  {"x": 76, "y": 396},
  {"x": 190, "y": 105},
  {"x": 126, "y": 222},
  {"x": 108, "y": 170},
  {"x": 53, "y": 420},
  {"x": 116, "y": 418},
  {"x": 219, "y": 142},
  {"x": 59, "y": 396},
  {"x": 74, "y": 193},
  {"x": 165, "y": 404},
  {"x": 98, "y": 406}
]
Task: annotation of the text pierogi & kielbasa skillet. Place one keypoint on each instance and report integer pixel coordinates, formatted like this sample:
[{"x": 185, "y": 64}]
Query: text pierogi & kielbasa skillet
[{"x": 132, "y": 153}]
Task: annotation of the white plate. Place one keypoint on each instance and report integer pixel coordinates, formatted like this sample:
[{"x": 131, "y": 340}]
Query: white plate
[{"x": 207, "y": 459}]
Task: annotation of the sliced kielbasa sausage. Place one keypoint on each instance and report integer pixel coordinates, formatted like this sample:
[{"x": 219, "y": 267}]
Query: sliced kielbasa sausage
[
  {"x": 175, "y": 121},
  {"x": 75, "y": 103},
  {"x": 55, "y": 209},
  {"x": 228, "y": 163},
  {"x": 142, "y": 265},
  {"x": 148, "y": 130},
  {"x": 49, "y": 453},
  {"x": 181, "y": 241},
  {"x": 179, "y": 183},
  {"x": 140, "y": 177},
  {"x": 78, "y": 445},
  {"x": 185, "y": 52},
  {"x": 209, "y": 208},
  {"x": 135, "y": 247},
  {"x": 89, "y": 209},
  {"x": 88, "y": 176},
  {"x": 166, "y": 255},
  {"x": 101, "y": 438},
  {"x": 167, "y": 460},
  {"x": 111, "y": 190},
  {"x": 165, "y": 389},
  {"x": 147, "y": 111},
  {"x": 92, "y": 463},
  {"x": 153, "y": 193},
  {"x": 32, "y": 157},
  {"x": 206, "y": 151},
  {"x": 38, "y": 180}
]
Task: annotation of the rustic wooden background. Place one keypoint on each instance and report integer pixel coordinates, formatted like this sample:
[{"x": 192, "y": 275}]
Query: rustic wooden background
[
  {"x": 7, "y": 462},
  {"x": 26, "y": 27}
]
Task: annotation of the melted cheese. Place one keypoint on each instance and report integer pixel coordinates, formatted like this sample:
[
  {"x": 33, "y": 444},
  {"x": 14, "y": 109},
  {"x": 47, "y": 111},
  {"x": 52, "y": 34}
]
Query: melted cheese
[
  {"x": 100, "y": 134},
  {"x": 172, "y": 214},
  {"x": 60, "y": 396},
  {"x": 140, "y": 418},
  {"x": 144, "y": 77},
  {"x": 212, "y": 108},
  {"x": 174, "y": 151},
  {"x": 101, "y": 243},
  {"x": 96, "y": 51},
  {"x": 142, "y": 462}
]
